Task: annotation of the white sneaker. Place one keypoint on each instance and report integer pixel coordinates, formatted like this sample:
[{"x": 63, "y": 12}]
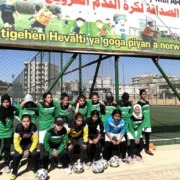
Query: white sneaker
[
  {"x": 68, "y": 170},
  {"x": 59, "y": 165},
  {"x": 86, "y": 166},
  {"x": 7, "y": 170},
  {"x": 89, "y": 164}
]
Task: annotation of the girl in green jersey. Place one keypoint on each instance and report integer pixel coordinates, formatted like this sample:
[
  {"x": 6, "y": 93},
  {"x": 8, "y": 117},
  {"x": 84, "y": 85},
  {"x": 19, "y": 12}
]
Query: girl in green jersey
[
  {"x": 81, "y": 106},
  {"x": 6, "y": 124},
  {"x": 63, "y": 109},
  {"x": 110, "y": 106},
  {"x": 27, "y": 107},
  {"x": 96, "y": 104},
  {"x": 125, "y": 106},
  {"x": 134, "y": 134},
  {"x": 146, "y": 112},
  {"x": 46, "y": 110}
]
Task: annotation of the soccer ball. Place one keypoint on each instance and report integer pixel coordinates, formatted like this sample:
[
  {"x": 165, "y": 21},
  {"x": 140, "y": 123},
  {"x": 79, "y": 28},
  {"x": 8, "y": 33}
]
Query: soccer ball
[
  {"x": 98, "y": 167},
  {"x": 42, "y": 174},
  {"x": 104, "y": 162},
  {"x": 114, "y": 161},
  {"x": 78, "y": 168}
]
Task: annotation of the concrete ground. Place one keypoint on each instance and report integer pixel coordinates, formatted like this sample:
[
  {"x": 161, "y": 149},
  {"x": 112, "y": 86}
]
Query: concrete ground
[{"x": 165, "y": 164}]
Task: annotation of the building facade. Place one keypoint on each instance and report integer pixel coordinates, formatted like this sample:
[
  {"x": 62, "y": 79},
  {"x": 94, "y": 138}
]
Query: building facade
[{"x": 35, "y": 79}]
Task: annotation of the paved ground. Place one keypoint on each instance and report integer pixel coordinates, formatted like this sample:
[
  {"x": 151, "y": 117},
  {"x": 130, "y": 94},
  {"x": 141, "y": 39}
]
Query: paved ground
[{"x": 165, "y": 164}]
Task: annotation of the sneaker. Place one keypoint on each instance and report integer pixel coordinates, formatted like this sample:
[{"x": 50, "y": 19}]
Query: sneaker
[
  {"x": 85, "y": 166},
  {"x": 149, "y": 152},
  {"x": 7, "y": 170},
  {"x": 137, "y": 158},
  {"x": 124, "y": 160},
  {"x": 68, "y": 170},
  {"x": 129, "y": 160},
  {"x": 12, "y": 177},
  {"x": 89, "y": 164},
  {"x": 152, "y": 146},
  {"x": 59, "y": 165}
]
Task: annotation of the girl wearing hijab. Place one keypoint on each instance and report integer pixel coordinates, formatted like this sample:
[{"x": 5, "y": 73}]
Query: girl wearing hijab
[
  {"x": 6, "y": 124},
  {"x": 134, "y": 134},
  {"x": 27, "y": 107}
]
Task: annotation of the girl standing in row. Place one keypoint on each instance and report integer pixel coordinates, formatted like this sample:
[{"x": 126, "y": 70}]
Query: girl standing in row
[
  {"x": 147, "y": 121},
  {"x": 6, "y": 128}
]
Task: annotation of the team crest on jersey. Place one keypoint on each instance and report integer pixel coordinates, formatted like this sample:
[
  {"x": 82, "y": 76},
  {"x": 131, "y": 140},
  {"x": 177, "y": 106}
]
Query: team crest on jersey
[{"x": 26, "y": 135}]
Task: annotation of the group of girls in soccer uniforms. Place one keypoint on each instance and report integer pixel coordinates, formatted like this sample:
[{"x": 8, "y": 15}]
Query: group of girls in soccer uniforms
[{"x": 99, "y": 128}]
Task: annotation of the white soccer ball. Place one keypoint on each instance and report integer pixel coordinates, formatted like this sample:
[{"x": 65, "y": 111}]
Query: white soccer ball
[
  {"x": 78, "y": 168},
  {"x": 104, "y": 162},
  {"x": 114, "y": 161},
  {"x": 42, "y": 174},
  {"x": 98, "y": 167}
]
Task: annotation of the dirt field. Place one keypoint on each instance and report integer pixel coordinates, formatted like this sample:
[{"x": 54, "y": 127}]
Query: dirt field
[{"x": 165, "y": 164}]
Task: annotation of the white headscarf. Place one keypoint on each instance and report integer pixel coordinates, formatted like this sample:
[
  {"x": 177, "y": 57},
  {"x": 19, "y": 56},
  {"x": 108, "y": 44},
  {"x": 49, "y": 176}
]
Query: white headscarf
[{"x": 140, "y": 114}]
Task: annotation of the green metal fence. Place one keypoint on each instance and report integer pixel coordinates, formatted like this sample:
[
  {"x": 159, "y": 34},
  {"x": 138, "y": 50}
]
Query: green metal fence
[{"x": 35, "y": 72}]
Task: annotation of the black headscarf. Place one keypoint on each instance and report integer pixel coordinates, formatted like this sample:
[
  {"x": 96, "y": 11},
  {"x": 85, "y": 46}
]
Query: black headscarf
[
  {"x": 6, "y": 112},
  {"x": 125, "y": 98}
]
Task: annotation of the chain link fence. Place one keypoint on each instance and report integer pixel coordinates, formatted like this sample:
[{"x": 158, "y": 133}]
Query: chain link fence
[{"x": 33, "y": 72}]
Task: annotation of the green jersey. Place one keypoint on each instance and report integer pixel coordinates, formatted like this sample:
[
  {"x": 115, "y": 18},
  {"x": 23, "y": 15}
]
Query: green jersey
[
  {"x": 62, "y": 111},
  {"x": 108, "y": 112},
  {"x": 46, "y": 115},
  {"x": 146, "y": 112},
  {"x": 95, "y": 106},
  {"x": 83, "y": 110},
  {"x": 134, "y": 127},
  {"x": 6, "y": 130},
  {"x": 55, "y": 140},
  {"x": 33, "y": 112},
  {"x": 126, "y": 110}
]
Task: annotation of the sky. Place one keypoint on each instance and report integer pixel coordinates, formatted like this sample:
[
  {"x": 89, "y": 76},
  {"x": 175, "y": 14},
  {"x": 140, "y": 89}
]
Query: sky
[{"x": 12, "y": 63}]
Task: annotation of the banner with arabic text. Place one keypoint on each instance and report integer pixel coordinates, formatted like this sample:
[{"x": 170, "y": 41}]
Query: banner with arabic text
[{"x": 147, "y": 27}]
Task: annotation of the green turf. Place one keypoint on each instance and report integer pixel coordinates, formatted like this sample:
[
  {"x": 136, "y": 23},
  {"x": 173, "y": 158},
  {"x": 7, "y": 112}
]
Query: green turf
[
  {"x": 165, "y": 115},
  {"x": 165, "y": 123}
]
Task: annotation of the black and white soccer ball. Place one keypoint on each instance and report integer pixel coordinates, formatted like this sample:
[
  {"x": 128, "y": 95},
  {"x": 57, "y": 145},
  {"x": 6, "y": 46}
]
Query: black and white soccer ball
[
  {"x": 42, "y": 174},
  {"x": 104, "y": 162},
  {"x": 98, "y": 167},
  {"x": 78, "y": 168},
  {"x": 114, "y": 161}
]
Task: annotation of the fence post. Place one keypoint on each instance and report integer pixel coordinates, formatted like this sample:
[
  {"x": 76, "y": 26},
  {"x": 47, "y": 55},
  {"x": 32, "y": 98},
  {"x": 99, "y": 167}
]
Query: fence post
[
  {"x": 155, "y": 60},
  {"x": 35, "y": 78},
  {"x": 116, "y": 64},
  {"x": 41, "y": 56},
  {"x": 62, "y": 72},
  {"x": 95, "y": 76},
  {"x": 49, "y": 68},
  {"x": 80, "y": 74},
  {"x": 30, "y": 79}
]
